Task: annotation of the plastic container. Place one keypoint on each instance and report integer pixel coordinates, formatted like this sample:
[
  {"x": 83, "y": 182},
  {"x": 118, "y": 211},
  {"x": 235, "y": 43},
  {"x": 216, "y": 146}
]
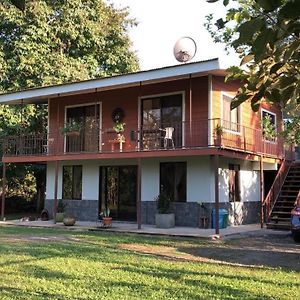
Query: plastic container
[{"x": 223, "y": 218}]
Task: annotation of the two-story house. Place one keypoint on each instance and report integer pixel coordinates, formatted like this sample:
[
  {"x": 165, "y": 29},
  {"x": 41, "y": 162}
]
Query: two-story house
[{"x": 179, "y": 136}]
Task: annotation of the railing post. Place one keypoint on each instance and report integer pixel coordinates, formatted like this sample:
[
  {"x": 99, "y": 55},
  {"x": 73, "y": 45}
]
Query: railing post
[{"x": 261, "y": 192}]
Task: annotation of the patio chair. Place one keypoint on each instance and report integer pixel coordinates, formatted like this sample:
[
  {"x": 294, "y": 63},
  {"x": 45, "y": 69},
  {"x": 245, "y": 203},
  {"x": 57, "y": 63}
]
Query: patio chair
[{"x": 168, "y": 136}]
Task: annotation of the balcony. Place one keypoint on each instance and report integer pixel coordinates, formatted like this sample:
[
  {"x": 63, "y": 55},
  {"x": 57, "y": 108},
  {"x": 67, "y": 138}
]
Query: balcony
[{"x": 203, "y": 134}]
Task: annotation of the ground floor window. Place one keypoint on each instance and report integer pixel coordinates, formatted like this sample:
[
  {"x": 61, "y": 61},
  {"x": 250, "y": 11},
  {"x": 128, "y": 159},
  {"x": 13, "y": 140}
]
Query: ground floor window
[
  {"x": 72, "y": 182},
  {"x": 173, "y": 180},
  {"x": 234, "y": 183}
]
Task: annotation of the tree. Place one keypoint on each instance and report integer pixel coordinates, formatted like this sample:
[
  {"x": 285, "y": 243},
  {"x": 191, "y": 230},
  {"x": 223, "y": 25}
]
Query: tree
[
  {"x": 266, "y": 34},
  {"x": 56, "y": 41}
]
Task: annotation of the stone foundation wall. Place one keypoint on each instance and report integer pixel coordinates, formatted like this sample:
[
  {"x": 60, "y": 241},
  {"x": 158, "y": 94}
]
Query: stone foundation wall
[
  {"x": 191, "y": 214},
  {"x": 186, "y": 213},
  {"x": 82, "y": 210}
]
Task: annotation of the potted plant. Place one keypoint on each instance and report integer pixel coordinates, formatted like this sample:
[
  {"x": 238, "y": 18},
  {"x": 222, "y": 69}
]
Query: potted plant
[
  {"x": 163, "y": 217},
  {"x": 219, "y": 133},
  {"x": 71, "y": 128},
  {"x": 69, "y": 221},
  {"x": 106, "y": 219},
  {"x": 119, "y": 127},
  {"x": 60, "y": 211}
]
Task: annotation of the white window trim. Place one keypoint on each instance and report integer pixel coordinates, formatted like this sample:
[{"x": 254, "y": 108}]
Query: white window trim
[
  {"x": 222, "y": 114},
  {"x": 141, "y": 98}
]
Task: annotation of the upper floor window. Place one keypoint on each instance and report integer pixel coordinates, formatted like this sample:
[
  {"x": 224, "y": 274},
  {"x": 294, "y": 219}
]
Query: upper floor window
[
  {"x": 269, "y": 125},
  {"x": 231, "y": 117}
]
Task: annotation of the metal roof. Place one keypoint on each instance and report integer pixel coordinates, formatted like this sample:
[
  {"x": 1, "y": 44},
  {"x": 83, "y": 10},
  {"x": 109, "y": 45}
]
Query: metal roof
[{"x": 42, "y": 94}]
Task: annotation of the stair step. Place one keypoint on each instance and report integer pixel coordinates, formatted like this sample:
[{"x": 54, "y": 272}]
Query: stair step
[
  {"x": 280, "y": 219},
  {"x": 276, "y": 212},
  {"x": 279, "y": 226},
  {"x": 284, "y": 207}
]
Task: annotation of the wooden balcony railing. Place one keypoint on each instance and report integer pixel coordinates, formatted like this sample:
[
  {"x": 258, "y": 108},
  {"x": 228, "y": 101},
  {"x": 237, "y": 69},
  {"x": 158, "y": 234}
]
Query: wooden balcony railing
[{"x": 168, "y": 136}]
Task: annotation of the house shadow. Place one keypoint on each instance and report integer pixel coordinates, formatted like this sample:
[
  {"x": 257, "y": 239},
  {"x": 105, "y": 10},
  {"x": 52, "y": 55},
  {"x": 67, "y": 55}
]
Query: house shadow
[{"x": 248, "y": 257}]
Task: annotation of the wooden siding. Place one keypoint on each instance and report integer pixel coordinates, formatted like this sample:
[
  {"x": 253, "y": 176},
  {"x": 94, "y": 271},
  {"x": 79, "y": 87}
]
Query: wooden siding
[{"x": 128, "y": 100}]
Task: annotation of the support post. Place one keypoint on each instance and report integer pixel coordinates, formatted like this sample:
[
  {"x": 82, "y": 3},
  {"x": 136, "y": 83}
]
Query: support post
[
  {"x": 261, "y": 168},
  {"x": 138, "y": 194},
  {"x": 217, "y": 198},
  {"x": 191, "y": 108},
  {"x": 55, "y": 190},
  {"x": 3, "y": 191}
]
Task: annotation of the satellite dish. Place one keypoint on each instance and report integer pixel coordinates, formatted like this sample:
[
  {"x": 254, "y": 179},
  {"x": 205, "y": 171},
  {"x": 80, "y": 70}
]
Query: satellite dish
[{"x": 185, "y": 49}]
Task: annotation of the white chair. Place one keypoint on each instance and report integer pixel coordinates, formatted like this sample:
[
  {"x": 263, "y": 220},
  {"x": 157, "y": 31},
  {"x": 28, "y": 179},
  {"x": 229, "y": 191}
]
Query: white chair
[{"x": 168, "y": 136}]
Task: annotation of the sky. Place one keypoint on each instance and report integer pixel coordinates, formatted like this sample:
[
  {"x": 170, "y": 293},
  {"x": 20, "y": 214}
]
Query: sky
[{"x": 163, "y": 22}]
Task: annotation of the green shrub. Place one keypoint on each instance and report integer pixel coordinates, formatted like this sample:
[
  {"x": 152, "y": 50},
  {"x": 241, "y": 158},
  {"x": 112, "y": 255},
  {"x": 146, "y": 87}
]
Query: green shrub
[{"x": 163, "y": 203}]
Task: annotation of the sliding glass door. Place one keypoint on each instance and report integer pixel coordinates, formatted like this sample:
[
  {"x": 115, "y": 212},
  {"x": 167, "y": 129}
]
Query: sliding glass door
[
  {"x": 86, "y": 139},
  {"x": 118, "y": 191},
  {"x": 159, "y": 114}
]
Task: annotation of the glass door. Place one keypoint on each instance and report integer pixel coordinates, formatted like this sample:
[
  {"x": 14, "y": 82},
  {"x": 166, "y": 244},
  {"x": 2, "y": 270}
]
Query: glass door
[
  {"x": 118, "y": 191},
  {"x": 159, "y": 114},
  {"x": 86, "y": 118}
]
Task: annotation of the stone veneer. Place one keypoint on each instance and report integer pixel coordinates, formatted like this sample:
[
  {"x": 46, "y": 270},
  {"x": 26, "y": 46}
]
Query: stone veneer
[
  {"x": 186, "y": 213},
  {"x": 190, "y": 213},
  {"x": 83, "y": 210}
]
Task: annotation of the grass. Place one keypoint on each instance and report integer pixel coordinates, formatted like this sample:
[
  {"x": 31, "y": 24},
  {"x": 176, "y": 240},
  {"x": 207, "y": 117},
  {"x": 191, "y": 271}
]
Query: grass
[{"x": 57, "y": 264}]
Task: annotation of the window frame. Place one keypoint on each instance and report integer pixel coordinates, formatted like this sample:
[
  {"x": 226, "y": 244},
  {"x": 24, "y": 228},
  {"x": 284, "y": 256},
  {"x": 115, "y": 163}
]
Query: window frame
[
  {"x": 263, "y": 110},
  {"x": 239, "y": 117},
  {"x": 153, "y": 96},
  {"x": 99, "y": 104},
  {"x": 72, "y": 192},
  {"x": 184, "y": 163}
]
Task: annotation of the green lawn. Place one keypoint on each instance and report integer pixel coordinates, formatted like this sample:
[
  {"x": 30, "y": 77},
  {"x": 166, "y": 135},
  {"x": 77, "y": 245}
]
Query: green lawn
[{"x": 58, "y": 264}]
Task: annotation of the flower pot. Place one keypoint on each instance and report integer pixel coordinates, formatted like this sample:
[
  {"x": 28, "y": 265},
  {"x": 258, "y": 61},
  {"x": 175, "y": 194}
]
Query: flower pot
[
  {"x": 73, "y": 133},
  {"x": 59, "y": 217},
  {"x": 69, "y": 221},
  {"x": 165, "y": 220},
  {"x": 107, "y": 221}
]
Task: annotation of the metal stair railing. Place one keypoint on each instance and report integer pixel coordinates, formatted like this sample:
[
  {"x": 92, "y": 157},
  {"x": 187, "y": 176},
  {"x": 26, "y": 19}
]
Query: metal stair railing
[{"x": 273, "y": 194}]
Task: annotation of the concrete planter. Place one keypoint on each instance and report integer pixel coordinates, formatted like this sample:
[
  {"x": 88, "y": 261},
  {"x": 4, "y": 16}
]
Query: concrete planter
[
  {"x": 59, "y": 217},
  {"x": 165, "y": 220}
]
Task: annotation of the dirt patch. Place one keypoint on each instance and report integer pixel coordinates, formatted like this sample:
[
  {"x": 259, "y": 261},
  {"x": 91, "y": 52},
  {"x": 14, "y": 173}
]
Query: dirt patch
[
  {"x": 30, "y": 238},
  {"x": 266, "y": 251}
]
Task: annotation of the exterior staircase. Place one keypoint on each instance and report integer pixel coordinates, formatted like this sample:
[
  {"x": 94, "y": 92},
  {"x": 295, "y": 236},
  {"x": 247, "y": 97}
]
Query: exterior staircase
[{"x": 280, "y": 216}]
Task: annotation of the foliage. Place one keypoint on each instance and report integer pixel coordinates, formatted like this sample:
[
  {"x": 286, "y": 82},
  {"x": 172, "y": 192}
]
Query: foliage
[
  {"x": 219, "y": 129},
  {"x": 268, "y": 128},
  {"x": 60, "y": 206},
  {"x": 54, "y": 42},
  {"x": 266, "y": 36},
  {"x": 163, "y": 203},
  {"x": 291, "y": 132},
  {"x": 65, "y": 264},
  {"x": 106, "y": 212},
  {"x": 71, "y": 127},
  {"x": 119, "y": 127}
]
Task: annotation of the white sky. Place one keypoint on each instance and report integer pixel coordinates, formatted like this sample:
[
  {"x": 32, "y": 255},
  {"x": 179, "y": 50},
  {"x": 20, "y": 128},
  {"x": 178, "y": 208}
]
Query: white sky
[{"x": 163, "y": 22}]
